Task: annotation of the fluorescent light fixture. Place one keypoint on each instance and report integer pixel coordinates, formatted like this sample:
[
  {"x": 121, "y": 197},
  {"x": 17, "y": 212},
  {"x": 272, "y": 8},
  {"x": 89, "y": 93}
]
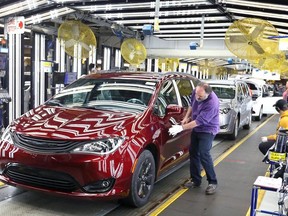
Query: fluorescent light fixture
[
  {"x": 31, "y": 4},
  {"x": 280, "y": 7},
  {"x": 173, "y": 20},
  {"x": 191, "y": 38},
  {"x": 184, "y": 26},
  {"x": 188, "y": 35},
  {"x": 15, "y": 8},
  {"x": 189, "y": 30},
  {"x": 257, "y": 13},
  {"x": 143, "y": 5},
  {"x": 284, "y": 24},
  {"x": 161, "y": 13},
  {"x": 47, "y": 16}
]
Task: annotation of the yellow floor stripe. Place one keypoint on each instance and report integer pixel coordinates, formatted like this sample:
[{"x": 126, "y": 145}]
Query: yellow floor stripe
[
  {"x": 168, "y": 202},
  {"x": 174, "y": 197}
]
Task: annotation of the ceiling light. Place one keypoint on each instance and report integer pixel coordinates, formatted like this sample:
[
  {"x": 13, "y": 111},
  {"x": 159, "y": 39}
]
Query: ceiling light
[
  {"x": 15, "y": 8},
  {"x": 263, "y": 14},
  {"x": 47, "y": 16},
  {"x": 170, "y": 20},
  {"x": 280, "y": 7},
  {"x": 31, "y": 4}
]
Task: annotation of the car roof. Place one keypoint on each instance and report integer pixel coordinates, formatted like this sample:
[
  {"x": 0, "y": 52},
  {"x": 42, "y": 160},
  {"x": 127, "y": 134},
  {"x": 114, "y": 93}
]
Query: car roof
[
  {"x": 156, "y": 76},
  {"x": 223, "y": 82},
  {"x": 255, "y": 81}
]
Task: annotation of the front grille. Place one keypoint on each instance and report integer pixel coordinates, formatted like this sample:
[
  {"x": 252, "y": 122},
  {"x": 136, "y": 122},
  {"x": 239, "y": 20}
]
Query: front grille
[
  {"x": 44, "y": 145},
  {"x": 40, "y": 178}
]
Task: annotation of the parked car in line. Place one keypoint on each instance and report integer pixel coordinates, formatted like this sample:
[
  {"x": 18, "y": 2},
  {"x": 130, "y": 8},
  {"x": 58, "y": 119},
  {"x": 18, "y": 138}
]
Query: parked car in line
[
  {"x": 104, "y": 136},
  {"x": 263, "y": 99},
  {"x": 235, "y": 106},
  {"x": 259, "y": 90}
]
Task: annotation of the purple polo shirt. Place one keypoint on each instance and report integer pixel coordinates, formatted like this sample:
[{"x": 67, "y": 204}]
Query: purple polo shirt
[{"x": 206, "y": 113}]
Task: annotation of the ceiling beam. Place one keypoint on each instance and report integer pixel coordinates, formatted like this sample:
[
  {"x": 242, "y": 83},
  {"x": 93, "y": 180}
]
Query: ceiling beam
[{"x": 222, "y": 10}]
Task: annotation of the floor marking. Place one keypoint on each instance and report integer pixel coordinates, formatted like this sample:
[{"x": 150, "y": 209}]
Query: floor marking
[{"x": 177, "y": 194}]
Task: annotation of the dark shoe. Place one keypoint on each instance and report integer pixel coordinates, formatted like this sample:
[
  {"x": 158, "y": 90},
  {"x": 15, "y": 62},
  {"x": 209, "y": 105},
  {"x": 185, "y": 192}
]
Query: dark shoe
[
  {"x": 191, "y": 184},
  {"x": 211, "y": 189}
]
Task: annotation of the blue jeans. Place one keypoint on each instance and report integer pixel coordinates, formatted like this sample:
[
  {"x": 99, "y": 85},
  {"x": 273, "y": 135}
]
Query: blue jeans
[{"x": 201, "y": 144}]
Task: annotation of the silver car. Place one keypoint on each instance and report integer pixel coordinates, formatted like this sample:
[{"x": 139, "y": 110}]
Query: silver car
[{"x": 235, "y": 105}]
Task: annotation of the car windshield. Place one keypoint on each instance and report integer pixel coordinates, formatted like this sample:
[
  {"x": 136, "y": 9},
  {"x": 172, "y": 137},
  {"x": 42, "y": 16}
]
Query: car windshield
[
  {"x": 105, "y": 94},
  {"x": 224, "y": 92}
]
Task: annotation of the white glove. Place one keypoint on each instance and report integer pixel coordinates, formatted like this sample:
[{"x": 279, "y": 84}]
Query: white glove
[
  {"x": 264, "y": 139},
  {"x": 175, "y": 129}
]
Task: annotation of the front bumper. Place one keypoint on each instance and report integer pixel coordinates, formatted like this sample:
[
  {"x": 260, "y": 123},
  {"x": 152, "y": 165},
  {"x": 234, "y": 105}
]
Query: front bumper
[{"x": 74, "y": 175}]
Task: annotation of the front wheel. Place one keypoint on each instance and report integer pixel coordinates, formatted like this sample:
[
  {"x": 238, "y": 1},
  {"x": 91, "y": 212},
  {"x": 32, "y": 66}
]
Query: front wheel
[
  {"x": 248, "y": 125},
  {"x": 234, "y": 135},
  {"x": 259, "y": 117},
  {"x": 142, "y": 180}
]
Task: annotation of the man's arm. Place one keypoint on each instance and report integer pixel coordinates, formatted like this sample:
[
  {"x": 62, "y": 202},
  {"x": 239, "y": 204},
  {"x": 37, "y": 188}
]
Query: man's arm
[{"x": 187, "y": 116}]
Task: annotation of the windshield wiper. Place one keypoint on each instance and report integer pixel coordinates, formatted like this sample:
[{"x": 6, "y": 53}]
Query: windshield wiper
[{"x": 54, "y": 103}]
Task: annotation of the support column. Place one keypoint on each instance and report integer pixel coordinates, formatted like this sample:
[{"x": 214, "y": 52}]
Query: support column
[{"x": 15, "y": 75}]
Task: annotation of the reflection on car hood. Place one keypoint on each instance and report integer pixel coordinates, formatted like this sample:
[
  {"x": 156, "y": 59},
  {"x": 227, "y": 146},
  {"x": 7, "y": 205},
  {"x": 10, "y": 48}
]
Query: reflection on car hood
[
  {"x": 225, "y": 103},
  {"x": 62, "y": 123}
]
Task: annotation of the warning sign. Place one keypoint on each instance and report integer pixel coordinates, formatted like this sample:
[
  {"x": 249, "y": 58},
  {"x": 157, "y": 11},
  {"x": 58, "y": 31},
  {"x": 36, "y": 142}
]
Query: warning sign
[{"x": 15, "y": 25}]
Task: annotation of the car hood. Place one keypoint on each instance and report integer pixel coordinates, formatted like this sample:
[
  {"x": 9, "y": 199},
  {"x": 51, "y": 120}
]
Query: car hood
[
  {"x": 224, "y": 103},
  {"x": 80, "y": 124}
]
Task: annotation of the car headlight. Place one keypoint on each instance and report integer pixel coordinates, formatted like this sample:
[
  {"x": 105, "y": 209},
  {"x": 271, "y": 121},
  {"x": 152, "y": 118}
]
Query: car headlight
[
  {"x": 6, "y": 136},
  {"x": 101, "y": 147},
  {"x": 224, "y": 111}
]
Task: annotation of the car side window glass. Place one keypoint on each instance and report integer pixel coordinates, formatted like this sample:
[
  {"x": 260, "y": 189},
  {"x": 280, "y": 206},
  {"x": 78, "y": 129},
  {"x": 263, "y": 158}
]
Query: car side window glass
[
  {"x": 166, "y": 96},
  {"x": 245, "y": 90},
  {"x": 239, "y": 92},
  {"x": 265, "y": 91},
  {"x": 195, "y": 82},
  {"x": 185, "y": 90},
  {"x": 168, "y": 93}
]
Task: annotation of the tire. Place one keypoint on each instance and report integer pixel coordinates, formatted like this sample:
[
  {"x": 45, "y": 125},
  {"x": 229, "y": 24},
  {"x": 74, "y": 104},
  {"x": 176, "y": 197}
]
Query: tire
[
  {"x": 234, "y": 135},
  {"x": 247, "y": 126},
  {"x": 142, "y": 182},
  {"x": 259, "y": 117}
]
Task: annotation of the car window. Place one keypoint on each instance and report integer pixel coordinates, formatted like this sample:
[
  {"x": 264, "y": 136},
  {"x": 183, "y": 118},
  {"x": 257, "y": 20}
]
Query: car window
[
  {"x": 265, "y": 91},
  {"x": 224, "y": 91},
  {"x": 245, "y": 89},
  {"x": 167, "y": 95},
  {"x": 239, "y": 92},
  {"x": 194, "y": 82},
  {"x": 106, "y": 94},
  {"x": 185, "y": 90}
]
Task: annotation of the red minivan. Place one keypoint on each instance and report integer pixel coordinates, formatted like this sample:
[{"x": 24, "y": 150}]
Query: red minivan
[{"x": 103, "y": 136}]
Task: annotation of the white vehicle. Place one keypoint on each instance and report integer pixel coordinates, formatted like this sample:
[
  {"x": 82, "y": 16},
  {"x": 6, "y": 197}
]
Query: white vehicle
[{"x": 262, "y": 99}]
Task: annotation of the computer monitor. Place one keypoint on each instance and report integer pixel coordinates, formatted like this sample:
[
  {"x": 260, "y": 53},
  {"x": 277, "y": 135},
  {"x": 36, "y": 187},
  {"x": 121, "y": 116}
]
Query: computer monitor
[{"x": 3, "y": 61}]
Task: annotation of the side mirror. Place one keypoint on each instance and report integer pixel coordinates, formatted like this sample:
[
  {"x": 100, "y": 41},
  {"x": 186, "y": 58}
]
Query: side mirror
[{"x": 173, "y": 109}]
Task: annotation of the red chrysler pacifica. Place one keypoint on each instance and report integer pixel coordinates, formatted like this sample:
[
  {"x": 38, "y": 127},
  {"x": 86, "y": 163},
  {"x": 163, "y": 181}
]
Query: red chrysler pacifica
[{"x": 103, "y": 136}]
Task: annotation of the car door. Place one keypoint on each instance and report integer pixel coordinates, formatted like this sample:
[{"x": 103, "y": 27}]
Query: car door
[
  {"x": 241, "y": 104},
  {"x": 172, "y": 148},
  {"x": 248, "y": 103}
]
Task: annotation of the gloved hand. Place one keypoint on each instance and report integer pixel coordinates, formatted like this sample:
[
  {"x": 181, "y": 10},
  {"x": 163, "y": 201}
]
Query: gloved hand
[
  {"x": 264, "y": 139},
  {"x": 175, "y": 129}
]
